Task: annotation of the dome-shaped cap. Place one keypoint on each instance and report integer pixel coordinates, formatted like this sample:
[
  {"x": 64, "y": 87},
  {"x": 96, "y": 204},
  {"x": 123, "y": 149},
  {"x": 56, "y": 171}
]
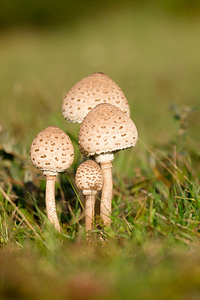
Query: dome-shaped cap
[
  {"x": 89, "y": 176},
  {"x": 89, "y": 92},
  {"x": 52, "y": 150},
  {"x": 106, "y": 129}
]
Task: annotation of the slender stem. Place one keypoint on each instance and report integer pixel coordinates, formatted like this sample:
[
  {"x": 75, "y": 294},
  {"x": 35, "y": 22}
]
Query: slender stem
[
  {"x": 89, "y": 210},
  {"x": 107, "y": 190},
  {"x": 50, "y": 201}
]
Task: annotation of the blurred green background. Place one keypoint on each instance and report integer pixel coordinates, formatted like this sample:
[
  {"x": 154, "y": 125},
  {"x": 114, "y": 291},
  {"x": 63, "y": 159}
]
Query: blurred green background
[{"x": 151, "y": 49}]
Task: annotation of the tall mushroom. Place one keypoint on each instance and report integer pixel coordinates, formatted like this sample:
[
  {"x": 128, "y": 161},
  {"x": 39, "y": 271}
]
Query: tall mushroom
[
  {"x": 52, "y": 152},
  {"x": 90, "y": 91},
  {"x": 89, "y": 179},
  {"x": 105, "y": 130}
]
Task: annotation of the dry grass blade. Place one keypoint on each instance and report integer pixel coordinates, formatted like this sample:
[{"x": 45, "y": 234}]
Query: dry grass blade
[
  {"x": 19, "y": 212},
  {"x": 141, "y": 208},
  {"x": 174, "y": 165},
  {"x": 3, "y": 209},
  {"x": 159, "y": 160},
  {"x": 174, "y": 175},
  {"x": 169, "y": 220}
]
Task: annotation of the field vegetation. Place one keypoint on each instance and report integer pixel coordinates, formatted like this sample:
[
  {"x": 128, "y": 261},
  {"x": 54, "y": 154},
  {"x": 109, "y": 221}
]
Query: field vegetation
[{"x": 152, "y": 248}]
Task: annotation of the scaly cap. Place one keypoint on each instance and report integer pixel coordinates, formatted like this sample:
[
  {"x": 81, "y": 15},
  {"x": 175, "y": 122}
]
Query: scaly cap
[
  {"x": 106, "y": 129},
  {"x": 52, "y": 150},
  {"x": 89, "y": 92},
  {"x": 89, "y": 176}
]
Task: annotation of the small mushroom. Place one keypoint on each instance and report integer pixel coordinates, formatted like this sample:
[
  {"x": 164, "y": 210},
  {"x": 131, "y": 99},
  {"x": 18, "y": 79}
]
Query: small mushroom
[
  {"x": 89, "y": 179},
  {"x": 89, "y": 92},
  {"x": 105, "y": 130},
  {"x": 52, "y": 152}
]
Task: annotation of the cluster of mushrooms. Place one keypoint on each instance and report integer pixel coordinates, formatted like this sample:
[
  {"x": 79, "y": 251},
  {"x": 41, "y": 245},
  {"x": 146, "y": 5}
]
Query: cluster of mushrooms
[{"x": 99, "y": 104}]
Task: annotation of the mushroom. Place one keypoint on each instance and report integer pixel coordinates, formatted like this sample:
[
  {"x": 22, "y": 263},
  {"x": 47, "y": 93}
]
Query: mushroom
[
  {"x": 52, "y": 152},
  {"x": 89, "y": 92},
  {"x": 89, "y": 179},
  {"x": 105, "y": 130}
]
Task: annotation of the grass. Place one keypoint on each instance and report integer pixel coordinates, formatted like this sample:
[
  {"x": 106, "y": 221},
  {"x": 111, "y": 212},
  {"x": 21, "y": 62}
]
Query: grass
[{"x": 152, "y": 248}]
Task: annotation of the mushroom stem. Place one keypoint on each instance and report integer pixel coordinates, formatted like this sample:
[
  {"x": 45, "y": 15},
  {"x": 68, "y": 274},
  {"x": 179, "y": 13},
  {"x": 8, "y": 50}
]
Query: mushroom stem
[
  {"x": 50, "y": 201},
  {"x": 89, "y": 209},
  {"x": 107, "y": 190}
]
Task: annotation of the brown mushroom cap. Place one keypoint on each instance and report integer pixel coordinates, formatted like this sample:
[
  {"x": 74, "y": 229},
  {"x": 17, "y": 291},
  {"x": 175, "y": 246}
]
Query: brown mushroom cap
[
  {"x": 106, "y": 129},
  {"x": 52, "y": 150},
  {"x": 89, "y": 92},
  {"x": 89, "y": 176}
]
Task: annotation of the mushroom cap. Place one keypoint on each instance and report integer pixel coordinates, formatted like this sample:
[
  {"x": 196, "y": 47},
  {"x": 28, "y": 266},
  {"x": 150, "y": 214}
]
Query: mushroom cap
[
  {"x": 52, "y": 150},
  {"x": 89, "y": 92},
  {"x": 89, "y": 176},
  {"x": 106, "y": 129}
]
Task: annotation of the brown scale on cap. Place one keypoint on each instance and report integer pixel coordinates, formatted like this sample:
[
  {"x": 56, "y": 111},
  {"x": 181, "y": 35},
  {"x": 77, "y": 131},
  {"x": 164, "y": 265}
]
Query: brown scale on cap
[
  {"x": 89, "y": 176},
  {"x": 52, "y": 150},
  {"x": 106, "y": 129},
  {"x": 89, "y": 92}
]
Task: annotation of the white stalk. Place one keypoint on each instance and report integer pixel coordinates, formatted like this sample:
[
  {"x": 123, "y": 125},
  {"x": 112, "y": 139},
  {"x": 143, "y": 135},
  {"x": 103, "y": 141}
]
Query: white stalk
[
  {"x": 107, "y": 189},
  {"x": 50, "y": 201},
  {"x": 89, "y": 209}
]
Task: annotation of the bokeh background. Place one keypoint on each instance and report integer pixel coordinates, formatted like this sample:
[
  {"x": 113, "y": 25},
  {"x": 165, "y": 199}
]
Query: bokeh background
[{"x": 151, "y": 49}]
